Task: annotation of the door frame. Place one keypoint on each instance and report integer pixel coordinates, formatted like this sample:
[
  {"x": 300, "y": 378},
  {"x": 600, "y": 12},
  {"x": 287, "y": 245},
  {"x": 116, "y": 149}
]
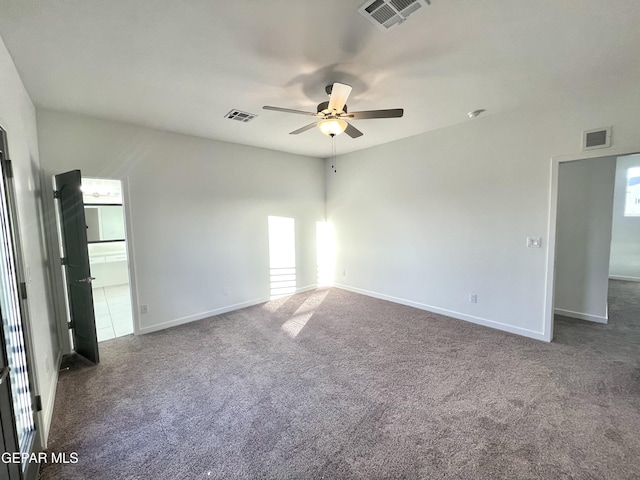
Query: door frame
[
  {"x": 128, "y": 225},
  {"x": 54, "y": 247},
  {"x": 13, "y": 218},
  {"x": 552, "y": 226}
]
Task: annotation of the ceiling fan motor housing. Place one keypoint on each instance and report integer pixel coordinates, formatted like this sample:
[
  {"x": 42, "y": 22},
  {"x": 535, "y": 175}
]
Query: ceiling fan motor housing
[{"x": 324, "y": 108}]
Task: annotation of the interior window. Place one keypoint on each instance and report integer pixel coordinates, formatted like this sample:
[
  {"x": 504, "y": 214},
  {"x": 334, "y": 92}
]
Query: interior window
[{"x": 632, "y": 201}]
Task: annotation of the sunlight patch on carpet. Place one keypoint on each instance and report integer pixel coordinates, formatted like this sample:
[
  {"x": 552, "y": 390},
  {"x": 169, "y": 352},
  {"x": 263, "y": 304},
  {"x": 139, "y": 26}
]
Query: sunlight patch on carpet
[{"x": 297, "y": 322}]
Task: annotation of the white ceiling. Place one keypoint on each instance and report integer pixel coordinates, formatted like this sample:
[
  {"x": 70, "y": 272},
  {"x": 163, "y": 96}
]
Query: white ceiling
[{"x": 182, "y": 65}]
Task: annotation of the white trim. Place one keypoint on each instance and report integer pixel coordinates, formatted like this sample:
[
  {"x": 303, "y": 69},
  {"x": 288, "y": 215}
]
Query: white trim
[
  {"x": 306, "y": 289},
  {"x": 131, "y": 259},
  {"x": 200, "y": 316},
  {"x": 214, "y": 312},
  {"x": 553, "y": 213},
  {"x": 582, "y": 316},
  {"x": 449, "y": 313},
  {"x": 550, "y": 271},
  {"x": 624, "y": 279},
  {"x": 47, "y": 411},
  {"x": 610, "y": 152}
]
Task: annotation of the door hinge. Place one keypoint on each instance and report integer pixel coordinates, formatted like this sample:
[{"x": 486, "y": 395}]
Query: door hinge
[
  {"x": 23, "y": 291},
  {"x": 71, "y": 325},
  {"x": 8, "y": 168},
  {"x": 38, "y": 403},
  {"x": 56, "y": 194},
  {"x": 64, "y": 261}
]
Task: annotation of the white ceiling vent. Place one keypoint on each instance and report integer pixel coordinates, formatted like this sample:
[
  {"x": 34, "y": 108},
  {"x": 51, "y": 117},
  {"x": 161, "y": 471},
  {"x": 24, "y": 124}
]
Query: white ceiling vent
[
  {"x": 240, "y": 116},
  {"x": 384, "y": 14},
  {"x": 596, "y": 138}
]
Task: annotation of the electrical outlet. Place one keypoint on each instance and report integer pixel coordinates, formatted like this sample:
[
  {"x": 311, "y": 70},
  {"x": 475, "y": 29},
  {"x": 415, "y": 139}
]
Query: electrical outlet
[
  {"x": 473, "y": 298},
  {"x": 144, "y": 308},
  {"x": 344, "y": 273},
  {"x": 534, "y": 242},
  {"x": 226, "y": 291}
]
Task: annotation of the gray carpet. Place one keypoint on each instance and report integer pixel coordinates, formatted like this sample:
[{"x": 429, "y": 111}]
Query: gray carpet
[{"x": 330, "y": 384}]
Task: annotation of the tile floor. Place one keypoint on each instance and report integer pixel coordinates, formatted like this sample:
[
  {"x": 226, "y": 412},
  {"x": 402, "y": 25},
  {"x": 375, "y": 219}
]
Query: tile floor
[{"x": 112, "y": 306}]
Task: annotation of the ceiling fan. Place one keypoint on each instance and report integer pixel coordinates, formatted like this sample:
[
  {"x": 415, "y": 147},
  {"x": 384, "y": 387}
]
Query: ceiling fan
[{"x": 333, "y": 114}]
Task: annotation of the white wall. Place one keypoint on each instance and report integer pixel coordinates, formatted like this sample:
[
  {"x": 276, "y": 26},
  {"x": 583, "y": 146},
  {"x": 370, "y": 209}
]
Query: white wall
[
  {"x": 625, "y": 235},
  {"x": 431, "y": 219},
  {"x": 583, "y": 238},
  {"x": 198, "y": 210},
  {"x": 18, "y": 118}
]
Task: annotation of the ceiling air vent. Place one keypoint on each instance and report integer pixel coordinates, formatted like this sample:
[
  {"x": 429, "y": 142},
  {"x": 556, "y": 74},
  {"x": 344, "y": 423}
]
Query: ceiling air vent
[
  {"x": 384, "y": 14},
  {"x": 596, "y": 138},
  {"x": 240, "y": 116}
]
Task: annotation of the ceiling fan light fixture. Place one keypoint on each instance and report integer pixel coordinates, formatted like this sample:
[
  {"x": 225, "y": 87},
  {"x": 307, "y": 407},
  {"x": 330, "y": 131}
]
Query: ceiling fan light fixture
[{"x": 332, "y": 126}]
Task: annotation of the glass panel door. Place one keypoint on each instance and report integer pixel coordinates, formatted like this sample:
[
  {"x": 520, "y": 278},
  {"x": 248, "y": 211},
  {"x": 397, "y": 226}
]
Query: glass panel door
[
  {"x": 13, "y": 313},
  {"x": 14, "y": 336}
]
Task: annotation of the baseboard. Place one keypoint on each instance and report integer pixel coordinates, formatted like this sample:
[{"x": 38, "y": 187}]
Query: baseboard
[
  {"x": 448, "y": 313},
  {"x": 581, "y": 316},
  {"x": 306, "y": 289},
  {"x": 214, "y": 312},
  {"x": 47, "y": 412},
  {"x": 624, "y": 279},
  {"x": 201, "y": 316}
]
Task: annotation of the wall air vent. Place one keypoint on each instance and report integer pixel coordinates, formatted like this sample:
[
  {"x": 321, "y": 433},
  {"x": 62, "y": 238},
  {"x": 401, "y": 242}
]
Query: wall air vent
[
  {"x": 240, "y": 116},
  {"x": 384, "y": 14},
  {"x": 596, "y": 138}
]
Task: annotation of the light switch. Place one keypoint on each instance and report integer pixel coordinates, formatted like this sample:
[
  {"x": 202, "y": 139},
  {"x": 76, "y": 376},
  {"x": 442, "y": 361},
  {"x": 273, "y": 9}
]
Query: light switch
[{"x": 534, "y": 242}]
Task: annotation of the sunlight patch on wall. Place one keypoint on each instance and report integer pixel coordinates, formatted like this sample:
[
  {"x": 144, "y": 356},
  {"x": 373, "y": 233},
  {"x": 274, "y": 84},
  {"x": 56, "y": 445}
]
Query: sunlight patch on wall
[
  {"x": 282, "y": 256},
  {"x": 325, "y": 245}
]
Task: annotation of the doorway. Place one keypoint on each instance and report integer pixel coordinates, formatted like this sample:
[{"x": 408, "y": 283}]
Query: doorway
[
  {"x": 583, "y": 238},
  {"x": 107, "y": 244},
  {"x": 581, "y": 241},
  {"x": 625, "y": 231}
]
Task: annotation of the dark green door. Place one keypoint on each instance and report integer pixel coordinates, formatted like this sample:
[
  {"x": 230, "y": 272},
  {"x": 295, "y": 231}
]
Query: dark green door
[{"x": 77, "y": 271}]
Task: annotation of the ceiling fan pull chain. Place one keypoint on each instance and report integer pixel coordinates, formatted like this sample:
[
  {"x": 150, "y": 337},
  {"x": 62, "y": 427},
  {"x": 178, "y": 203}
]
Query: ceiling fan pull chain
[
  {"x": 333, "y": 153},
  {"x": 333, "y": 158}
]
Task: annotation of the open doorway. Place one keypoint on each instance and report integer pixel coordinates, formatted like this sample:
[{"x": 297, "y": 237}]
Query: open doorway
[
  {"x": 106, "y": 236},
  {"x": 591, "y": 249},
  {"x": 583, "y": 238},
  {"x": 625, "y": 230},
  {"x": 624, "y": 264}
]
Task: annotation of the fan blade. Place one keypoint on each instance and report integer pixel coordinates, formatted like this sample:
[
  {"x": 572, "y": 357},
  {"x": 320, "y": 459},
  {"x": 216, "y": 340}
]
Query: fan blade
[
  {"x": 391, "y": 113},
  {"x": 288, "y": 110},
  {"x": 303, "y": 129},
  {"x": 352, "y": 131},
  {"x": 339, "y": 94}
]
